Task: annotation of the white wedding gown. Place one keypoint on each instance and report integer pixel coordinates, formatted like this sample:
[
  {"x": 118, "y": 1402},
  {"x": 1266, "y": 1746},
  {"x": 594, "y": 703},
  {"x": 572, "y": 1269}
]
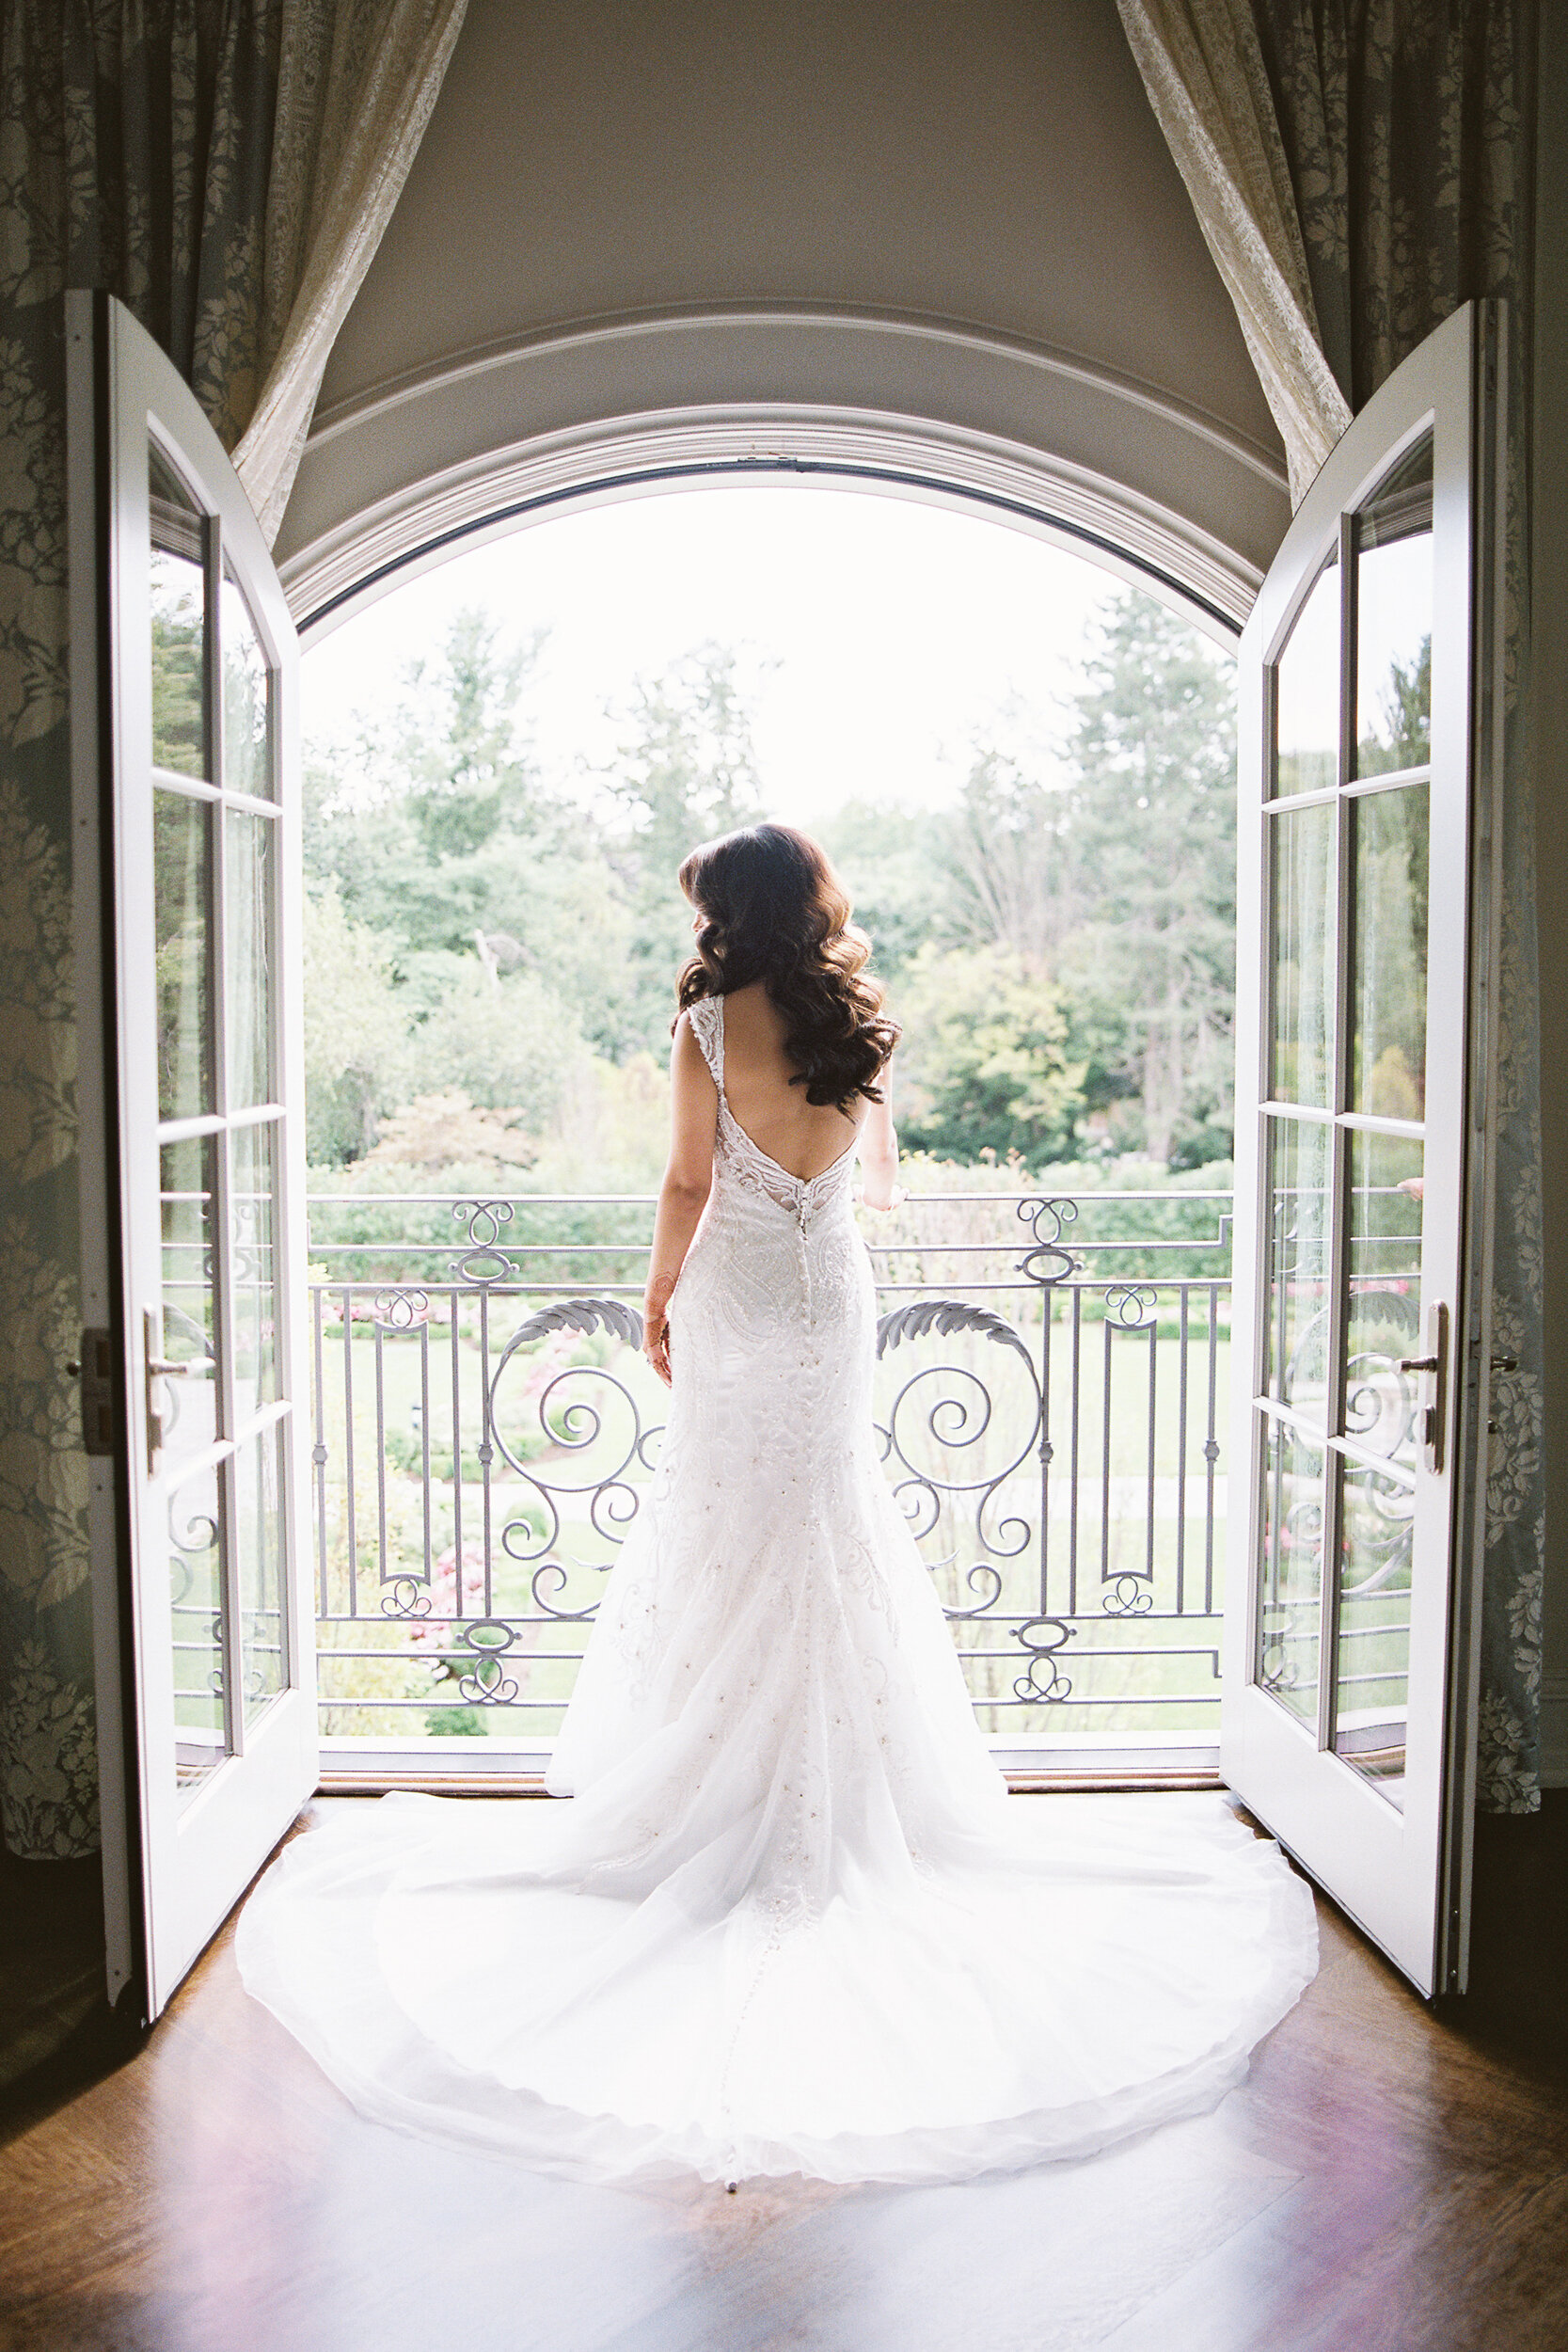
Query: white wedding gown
[{"x": 790, "y": 1921}]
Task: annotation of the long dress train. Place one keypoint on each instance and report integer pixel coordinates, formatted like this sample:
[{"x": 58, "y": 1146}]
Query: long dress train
[{"x": 790, "y": 1922}]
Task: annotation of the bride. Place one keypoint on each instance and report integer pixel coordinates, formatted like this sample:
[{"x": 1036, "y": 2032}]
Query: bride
[{"x": 790, "y": 1921}]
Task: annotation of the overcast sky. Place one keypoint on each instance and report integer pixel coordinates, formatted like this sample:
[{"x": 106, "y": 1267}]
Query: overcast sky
[{"x": 878, "y": 636}]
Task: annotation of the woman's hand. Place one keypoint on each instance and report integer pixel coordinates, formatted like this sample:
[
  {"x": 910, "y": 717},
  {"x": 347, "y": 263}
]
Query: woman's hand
[
  {"x": 656, "y": 1326},
  {"x": 896, "y": 1197}
]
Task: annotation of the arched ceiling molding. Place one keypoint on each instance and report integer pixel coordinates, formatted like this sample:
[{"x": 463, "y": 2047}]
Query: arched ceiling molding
[{"x": 1045, "y": 441}]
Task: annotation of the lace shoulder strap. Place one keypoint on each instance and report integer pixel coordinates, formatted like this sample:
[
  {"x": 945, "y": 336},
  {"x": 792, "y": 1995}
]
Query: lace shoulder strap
[{"x": 706, "y": 1017}]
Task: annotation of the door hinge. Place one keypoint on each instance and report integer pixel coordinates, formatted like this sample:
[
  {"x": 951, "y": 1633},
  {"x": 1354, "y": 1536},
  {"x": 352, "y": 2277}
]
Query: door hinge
[{"x": 94, "y": 1370}]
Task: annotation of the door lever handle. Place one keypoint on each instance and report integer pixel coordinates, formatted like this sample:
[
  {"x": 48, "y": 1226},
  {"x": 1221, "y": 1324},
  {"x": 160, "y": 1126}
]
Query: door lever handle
[
  {"x": 156, "y": 1366},
  {"x": 1433, "y": 1366}
]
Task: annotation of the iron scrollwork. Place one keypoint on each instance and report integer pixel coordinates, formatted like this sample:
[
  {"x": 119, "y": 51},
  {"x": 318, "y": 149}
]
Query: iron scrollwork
[
  {"x": 571, "y": 1424},
  {"x": 960, "y": 1421},
  {"x": 562, "y": 1452}
]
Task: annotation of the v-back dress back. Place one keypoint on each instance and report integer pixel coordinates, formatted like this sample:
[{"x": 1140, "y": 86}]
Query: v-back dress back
[{"x": 790, "y": 1921}]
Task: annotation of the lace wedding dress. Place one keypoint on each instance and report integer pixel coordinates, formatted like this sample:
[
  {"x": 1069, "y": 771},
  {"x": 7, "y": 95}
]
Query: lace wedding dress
[{"x": 790, "y": 1921}]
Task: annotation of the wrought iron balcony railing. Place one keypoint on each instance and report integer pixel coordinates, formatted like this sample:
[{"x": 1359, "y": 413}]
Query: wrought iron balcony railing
[{"x": 1052, "y": 1403}]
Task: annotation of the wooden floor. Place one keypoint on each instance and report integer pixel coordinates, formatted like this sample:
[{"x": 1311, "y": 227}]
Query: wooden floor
[{"x": 1382, "y": 2181}]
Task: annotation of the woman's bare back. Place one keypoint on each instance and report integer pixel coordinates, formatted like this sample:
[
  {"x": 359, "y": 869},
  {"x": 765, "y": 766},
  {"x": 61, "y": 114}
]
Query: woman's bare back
[{"x": 803, "y": 1138}]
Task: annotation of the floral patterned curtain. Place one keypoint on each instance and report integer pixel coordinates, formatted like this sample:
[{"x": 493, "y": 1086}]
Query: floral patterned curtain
[
  {"x": 1405, "y": 130},
  {"x": 226, "y": 167}
]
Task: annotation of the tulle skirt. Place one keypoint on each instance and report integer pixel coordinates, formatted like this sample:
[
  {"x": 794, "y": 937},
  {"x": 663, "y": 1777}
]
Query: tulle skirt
[
  {"x": 1094, "y": 1965},
  {"x": 790, "y": 1922}
]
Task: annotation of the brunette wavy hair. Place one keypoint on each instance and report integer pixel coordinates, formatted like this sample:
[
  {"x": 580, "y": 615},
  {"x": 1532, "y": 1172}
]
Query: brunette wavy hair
[{"x": 773, "y": 910}]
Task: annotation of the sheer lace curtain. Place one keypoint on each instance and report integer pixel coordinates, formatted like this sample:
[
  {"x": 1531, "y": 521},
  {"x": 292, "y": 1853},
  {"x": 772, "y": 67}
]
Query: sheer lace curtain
[
  {"x": 355, "y": 86},
  {"x": 1203, "y": 70},
  {"x": 226, "y": 167},
  {"x": 1360, "y": 167}
]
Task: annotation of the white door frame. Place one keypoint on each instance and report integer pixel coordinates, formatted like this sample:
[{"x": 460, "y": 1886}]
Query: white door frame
[
  {"x": 1402, "y": 1875},
  {"x": 170, "y": 1872}
]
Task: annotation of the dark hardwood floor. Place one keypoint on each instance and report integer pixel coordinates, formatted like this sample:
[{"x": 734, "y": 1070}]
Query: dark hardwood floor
[{"x": 1388, "y": 2180}]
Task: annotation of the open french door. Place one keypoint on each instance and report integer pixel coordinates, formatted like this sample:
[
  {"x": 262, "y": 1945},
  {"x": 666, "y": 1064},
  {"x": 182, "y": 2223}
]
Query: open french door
[
  {"x": 184, "y": 670},
  {"x": 1368, "y": 778}
]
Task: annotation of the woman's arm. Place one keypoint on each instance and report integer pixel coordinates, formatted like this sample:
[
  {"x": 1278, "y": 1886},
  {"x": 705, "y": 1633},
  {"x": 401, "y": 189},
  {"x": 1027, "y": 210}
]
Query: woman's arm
[
  {"x": 879, "y": 1151},
  {"x": 683, "y": 1195}
]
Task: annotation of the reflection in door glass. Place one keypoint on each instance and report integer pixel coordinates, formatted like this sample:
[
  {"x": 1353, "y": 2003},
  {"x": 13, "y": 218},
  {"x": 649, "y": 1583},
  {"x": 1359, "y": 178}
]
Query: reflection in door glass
[
  {"x": 252, "y": 1212},
  {"x": 1306, "y": 692},
  {"x": 1383, "y": 1318},
  {"x": 1300, "y": 1165},
  {"x": 1393, "y": 619},
  {"x": 1301, "y": 1060},
  {"x": 261, "y": 1565},
  {"x": 1373, "y": 1680},
  {"x": 1290, "y": 1569},
  {"x": 1388, "y": 968},
  {"x": 179, "y": 534},
  {"x": 246, "y": 697},
  {"x": 187, "y": 1401},
  {"x": 181, "y": 912},
  {"x": 195, "y": 1558},
  {"x": 247, "y": 955}
]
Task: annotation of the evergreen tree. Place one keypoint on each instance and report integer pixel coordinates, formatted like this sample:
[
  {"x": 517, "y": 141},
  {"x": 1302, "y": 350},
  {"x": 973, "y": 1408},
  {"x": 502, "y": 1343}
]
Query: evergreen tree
[
  {"x": 687, "y": 772},
  {"x": 466, "y": 779},
  {"x": 442, "y": 838},
  {"x": 1152, "y": 829},
  {"x": 1060, "y": 944}
]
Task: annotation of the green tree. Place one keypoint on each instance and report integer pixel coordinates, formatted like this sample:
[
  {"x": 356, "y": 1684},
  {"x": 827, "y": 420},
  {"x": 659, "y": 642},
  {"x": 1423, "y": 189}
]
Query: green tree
[
  {"x": 891, "y": 864},
  {"x": 1151, "y": 820},
  {"x": 507, "y": 1042},
  {"x": 441, "y": 837},
  {"x": 687, "y": 771},
  {"x": 1401, "y": 736},
  {"x": 434, "y": 820},
  {"x": 984, "y": 1064},
  {"x": 471, "y": 774},
  {"x": 357, "y": 1058},
  {"x": 178, "y": 684},
  {"x": 1009, "y": 857}
]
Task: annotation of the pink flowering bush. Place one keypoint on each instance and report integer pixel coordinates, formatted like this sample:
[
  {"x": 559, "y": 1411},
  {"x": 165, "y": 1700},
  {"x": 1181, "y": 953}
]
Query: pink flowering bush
[{"x": 437, "y": 1629}]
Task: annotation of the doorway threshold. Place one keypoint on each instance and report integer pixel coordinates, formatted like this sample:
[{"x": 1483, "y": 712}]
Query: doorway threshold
[{"x": 1080, "y": 1764}]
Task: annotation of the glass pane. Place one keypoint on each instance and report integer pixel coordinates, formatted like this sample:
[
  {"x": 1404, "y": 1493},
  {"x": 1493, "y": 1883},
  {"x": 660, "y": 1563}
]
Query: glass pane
[
  {"x": 1301, "y": 1162},
  {"x": 248, "y": 955},
  {"x": 187, "y": 1401},
  {"x": 253, "y": 1218},
  {"x": 1302, "y": 1060},
  {"x": 1290, "y": 1569},
  {"x": 179, "y": 533},
  {"x": 1307, "y": 691},
  {"x": 181, "y": 896},
  {"x": 1388, "y": 952},
  {"x": 260, "y": 1530},
  {"x": 1393, "y": 620},
  {"x": 196, "y": 1557},
  {"x": 246, "y": 697},
  {"x": 1384, "y": 1310},
  {"x": 1373, "y": 1680}
]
